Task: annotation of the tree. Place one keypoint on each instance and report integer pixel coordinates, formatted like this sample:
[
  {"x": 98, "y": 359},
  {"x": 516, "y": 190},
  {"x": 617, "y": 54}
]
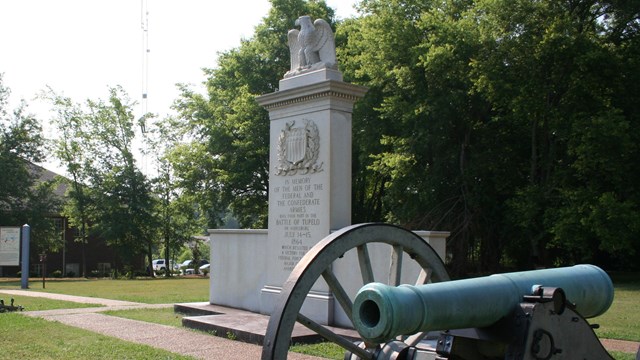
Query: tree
[
  {"x": 71, "y": 151},
  {"x": 122, "y": 194},
  {"x": 21, "y": 142},
  {"x": 572, "y": 95},
  {"x": 23, "y": 198},
  {"x": 178, "y": 209},
  {"x": 108, "y": 190},
  {"x": 230, "y": 131},
  {"x": 508, "y": 123},
  {"x": 420, "y": 155}
]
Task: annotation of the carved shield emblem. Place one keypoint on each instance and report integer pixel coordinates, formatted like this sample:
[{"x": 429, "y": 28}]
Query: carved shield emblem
[
  {"x": 296, "y": 145},
  {"x": 298, "y": 149}
]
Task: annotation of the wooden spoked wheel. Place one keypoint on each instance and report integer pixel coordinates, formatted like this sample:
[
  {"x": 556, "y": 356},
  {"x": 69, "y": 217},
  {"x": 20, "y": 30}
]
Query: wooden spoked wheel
[{"x": 318, "y": 263}]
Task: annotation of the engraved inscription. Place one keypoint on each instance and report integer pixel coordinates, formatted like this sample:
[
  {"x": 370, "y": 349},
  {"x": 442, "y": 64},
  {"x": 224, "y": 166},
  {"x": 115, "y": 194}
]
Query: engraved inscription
[{"x": 298, "y": 223}]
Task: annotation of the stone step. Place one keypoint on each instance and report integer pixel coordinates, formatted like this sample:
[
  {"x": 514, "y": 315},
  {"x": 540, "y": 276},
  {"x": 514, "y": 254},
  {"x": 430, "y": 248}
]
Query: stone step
[{"x": 244, "y": 325}]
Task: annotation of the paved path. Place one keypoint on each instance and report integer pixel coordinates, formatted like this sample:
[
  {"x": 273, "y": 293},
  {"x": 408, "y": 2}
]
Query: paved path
[{"x": 176, "y": 340}]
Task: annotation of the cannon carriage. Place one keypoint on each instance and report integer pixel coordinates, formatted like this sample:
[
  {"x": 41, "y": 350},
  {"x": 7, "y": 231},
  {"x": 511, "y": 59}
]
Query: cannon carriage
[
  {"x": 10, "y": 307},
  {"x": 526, "y": 315}
]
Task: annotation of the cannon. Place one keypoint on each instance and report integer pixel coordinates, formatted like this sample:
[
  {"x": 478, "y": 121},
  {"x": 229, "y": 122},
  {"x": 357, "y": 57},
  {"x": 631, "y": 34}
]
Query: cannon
[
  {"x": 522, "y": 315},
  {"x": 537, "y": 314},
  {"x": 8, "y": 308}
]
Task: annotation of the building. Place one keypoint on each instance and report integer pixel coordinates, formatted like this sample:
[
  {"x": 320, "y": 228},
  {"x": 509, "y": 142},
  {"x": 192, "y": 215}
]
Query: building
[{"x": 67, "y": 261}]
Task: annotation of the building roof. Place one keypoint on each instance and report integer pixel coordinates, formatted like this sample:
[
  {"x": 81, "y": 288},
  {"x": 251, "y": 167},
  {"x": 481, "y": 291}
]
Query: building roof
[{"x": 45, "y": 175}]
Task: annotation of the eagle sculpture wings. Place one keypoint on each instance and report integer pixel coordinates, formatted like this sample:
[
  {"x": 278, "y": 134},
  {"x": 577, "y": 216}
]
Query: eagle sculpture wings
[{"x": 312, "y": 47}]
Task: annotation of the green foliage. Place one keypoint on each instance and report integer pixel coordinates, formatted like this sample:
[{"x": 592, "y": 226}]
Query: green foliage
[
  {"x": 512, "y": 124},
  {"x": 107, "y": 188},
  {"x": 181, "y": 206},
  {"x": 69, "y": 148},
  {"x": 185, "y": 255},
  {"x": 508, "y": 123},
  {"x": 230, "y": 131},
  {"x": 24, "y": 199}
]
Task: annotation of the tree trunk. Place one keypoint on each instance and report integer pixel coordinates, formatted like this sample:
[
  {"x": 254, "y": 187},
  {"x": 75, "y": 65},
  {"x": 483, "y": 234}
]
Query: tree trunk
[{"x": 150, "y": 259}]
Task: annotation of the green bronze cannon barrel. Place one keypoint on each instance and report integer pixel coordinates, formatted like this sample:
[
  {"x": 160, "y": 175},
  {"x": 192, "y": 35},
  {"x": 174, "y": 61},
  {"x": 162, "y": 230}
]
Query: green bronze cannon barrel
[{"x": 382, "y": 312}]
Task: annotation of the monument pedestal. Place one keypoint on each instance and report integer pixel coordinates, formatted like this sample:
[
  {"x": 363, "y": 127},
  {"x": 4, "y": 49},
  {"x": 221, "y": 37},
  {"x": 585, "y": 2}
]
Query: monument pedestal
[
  {"x": 309, "y": 197},
  {"x": 309, "y": 191},
  {"x": 309, "y": 176}
]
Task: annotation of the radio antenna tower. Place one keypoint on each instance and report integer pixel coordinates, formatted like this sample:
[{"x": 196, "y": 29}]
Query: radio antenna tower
[{"x": 144, "y": 22}]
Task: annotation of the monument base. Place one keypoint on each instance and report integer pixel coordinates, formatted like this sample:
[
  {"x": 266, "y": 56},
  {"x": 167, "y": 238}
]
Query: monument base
[
  {"x": 240, "y": 281},
  {"x": 310, "y": 78},
  {"x": 236, "y": 276},
  {"x": 318, "y": 306}
]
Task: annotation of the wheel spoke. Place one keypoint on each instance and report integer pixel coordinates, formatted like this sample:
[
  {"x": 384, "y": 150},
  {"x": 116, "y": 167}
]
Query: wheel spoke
[
  {"x": 414, "y": 339},
  {"x": 365, "y": 264},
  {"x": 333, "y": 337},
  {"x": 395, "y": 268},
  {"x": 338, "y": 292},
  {"x": 318, "y": 263},
  {"x": 424, "y": 276}
]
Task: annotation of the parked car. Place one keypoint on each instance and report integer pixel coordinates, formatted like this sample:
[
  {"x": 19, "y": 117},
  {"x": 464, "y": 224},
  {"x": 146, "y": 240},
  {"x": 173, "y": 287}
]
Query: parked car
[
  {"x": 159, "y": 265},
  {"x": 188, "y": 266}
]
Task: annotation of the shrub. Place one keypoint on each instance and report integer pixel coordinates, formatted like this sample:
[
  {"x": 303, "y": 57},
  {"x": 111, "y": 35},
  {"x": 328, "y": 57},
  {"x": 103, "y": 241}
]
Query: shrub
[
  {"x": 57, "y": 274},
  {"x": 141, "y": 273}
]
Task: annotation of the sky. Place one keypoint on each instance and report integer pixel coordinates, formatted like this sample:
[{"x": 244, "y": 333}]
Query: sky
[{"x": 80, "y": 48}]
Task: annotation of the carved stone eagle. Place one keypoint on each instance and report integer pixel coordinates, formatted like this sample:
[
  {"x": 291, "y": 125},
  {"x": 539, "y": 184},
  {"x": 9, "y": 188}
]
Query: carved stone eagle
[{"x": 312, "y": 47}]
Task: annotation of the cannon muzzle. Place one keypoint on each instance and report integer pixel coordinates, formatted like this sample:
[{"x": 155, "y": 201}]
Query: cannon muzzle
[{"x": 382, "y": 312}]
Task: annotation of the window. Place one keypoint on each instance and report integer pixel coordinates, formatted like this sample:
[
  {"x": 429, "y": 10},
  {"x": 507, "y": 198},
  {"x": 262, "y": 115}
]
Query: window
[
  {"x": 104, "y": 268},
  {"x": 60, "y": 228}
]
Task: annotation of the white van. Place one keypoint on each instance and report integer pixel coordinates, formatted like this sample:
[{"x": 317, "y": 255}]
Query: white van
[{"x": 159, "y": 265}]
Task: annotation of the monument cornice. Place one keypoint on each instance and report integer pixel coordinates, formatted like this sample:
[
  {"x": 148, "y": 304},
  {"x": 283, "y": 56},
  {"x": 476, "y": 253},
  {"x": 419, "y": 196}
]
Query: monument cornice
[{"x": 313, "y": 92}]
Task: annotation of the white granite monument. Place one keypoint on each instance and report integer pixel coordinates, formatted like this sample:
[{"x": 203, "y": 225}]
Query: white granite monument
[{"x": 309, "y": 182}]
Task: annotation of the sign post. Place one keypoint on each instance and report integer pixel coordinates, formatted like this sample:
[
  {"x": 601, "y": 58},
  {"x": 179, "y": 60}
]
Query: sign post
[
  {"x": 43, "y": 262},
  {"x": 26, "y": 233}
]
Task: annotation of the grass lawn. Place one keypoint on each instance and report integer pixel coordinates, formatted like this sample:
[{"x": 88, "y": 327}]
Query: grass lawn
[
  {"x": 34, "y": 304},
  {"x": 149, "y": 291},
  {"x": 622, "y": 320},
  {"x": 23, "y": 337}
]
